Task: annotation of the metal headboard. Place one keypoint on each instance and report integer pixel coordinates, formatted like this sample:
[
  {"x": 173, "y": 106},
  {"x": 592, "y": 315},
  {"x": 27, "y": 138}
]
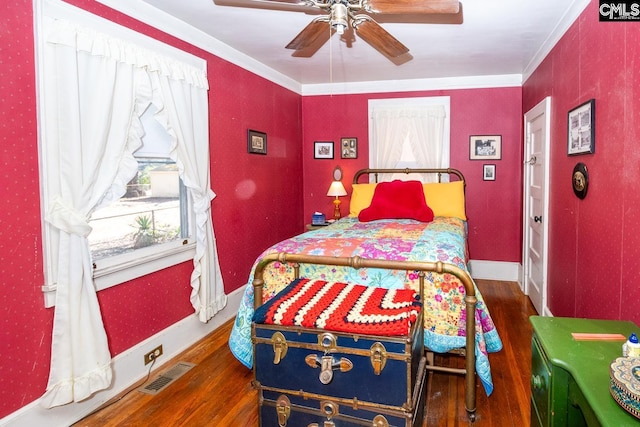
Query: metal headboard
[{"x": 375, "y": 172}]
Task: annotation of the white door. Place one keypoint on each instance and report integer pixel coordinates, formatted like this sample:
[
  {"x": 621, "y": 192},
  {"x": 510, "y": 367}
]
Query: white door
[{"x": 536, "y": 176}]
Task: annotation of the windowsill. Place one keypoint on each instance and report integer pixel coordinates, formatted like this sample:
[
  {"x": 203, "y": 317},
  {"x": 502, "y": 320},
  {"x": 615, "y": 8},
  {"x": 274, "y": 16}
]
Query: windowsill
[{"x": 146, "y": 261}]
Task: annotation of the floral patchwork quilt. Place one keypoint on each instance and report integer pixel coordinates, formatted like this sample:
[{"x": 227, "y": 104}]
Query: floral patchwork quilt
[{"x": 443, "y": 239}]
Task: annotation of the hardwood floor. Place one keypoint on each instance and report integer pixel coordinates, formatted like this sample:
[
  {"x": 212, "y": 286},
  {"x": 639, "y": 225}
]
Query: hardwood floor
[{"x": 218, "y": 392}]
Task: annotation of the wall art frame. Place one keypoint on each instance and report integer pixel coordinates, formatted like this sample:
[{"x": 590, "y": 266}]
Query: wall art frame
[
  {"x": 485, "y": 147},
  {"x": 581, "y": 129},
  {"x": 349, "y": 148},
  {"x": 323, "y": 150},
  {"x": 256, "y": 142},
  {"x": 488, "y": 172}
]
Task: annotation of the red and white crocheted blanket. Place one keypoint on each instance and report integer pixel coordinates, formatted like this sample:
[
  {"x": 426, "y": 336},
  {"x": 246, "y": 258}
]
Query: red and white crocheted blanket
[{"x": 342, "y": 307}]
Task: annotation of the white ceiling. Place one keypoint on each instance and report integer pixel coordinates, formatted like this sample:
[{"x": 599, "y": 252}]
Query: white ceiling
[{"x": 497, "y": 38}]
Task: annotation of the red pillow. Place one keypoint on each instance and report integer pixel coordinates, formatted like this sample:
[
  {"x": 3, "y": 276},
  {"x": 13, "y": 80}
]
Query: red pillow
[{"x": 397, "y": 200}]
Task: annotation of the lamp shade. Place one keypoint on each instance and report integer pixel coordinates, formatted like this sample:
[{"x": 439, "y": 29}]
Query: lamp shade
[{"x": 336, "y": 189}]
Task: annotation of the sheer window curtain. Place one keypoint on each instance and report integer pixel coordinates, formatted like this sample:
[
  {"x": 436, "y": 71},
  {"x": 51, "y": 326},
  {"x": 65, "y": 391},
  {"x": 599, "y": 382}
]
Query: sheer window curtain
[
  {"x": 421, "y": 126},
  {"x": 389, "y": 132},
  {"x": 95, "y": 89},
  {"x": 182, "y": 109},
  {"x": 426, "y": 126}
]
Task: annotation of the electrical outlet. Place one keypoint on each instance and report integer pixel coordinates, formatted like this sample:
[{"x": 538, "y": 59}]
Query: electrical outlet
[{"x": 153, "y": 354}]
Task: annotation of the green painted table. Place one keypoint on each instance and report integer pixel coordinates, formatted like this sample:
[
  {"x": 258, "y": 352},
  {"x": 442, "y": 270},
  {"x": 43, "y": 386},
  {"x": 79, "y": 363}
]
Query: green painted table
[{"x": 570, "y": 379}]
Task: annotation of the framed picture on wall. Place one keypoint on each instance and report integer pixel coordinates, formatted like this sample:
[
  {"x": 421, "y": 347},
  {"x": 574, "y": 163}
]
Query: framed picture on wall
[
  {"x": 349, "y": 148},
  {"x": 485, "y": 147},
  {"x": 323, "y": 150},
  {"x": 489, "y": 172},
  {"x": 581, "y": 134},
  {"x": 257, "y": 142}
]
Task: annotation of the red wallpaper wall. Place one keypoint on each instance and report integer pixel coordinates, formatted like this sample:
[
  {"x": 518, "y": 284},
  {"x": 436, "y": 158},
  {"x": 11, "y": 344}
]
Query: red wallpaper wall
[
  {"x": 258, "y": 203},
  {"x": 25, "y": 326},
  {"x": 493, "y": 207},
  {"x": 263, "y": 199},
  {"x": 259, "y": 198},
  {"x": 593, "y": 248}
]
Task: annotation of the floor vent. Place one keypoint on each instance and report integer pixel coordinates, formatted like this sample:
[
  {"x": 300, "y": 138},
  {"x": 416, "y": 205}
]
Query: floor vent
[{"x": 163, "y": 381}]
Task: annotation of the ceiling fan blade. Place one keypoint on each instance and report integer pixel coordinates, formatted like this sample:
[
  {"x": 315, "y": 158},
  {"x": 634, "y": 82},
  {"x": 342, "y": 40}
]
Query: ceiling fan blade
[
  {"x": 371, "y": 32},
  {"x": 285, "y": 5},
  {"x": 412, "y": 6},
  {"x": 433, "y": 18},
  {"x": 300, "y": 2},
  {"x": 312, "y": 34},
  {"x": 250, "y": 2},
  {"x": 311, "y": 48}
]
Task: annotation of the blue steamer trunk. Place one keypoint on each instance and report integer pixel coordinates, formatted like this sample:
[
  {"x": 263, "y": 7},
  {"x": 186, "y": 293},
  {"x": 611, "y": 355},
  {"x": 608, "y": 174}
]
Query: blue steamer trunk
[
  {"x": 369, "y": 377},
  {"x": 328, "y": 413}
]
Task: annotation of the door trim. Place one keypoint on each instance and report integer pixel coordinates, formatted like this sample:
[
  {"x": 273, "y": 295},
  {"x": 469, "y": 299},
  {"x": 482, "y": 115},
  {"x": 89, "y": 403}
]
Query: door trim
[{"x": 543, "y": 107}]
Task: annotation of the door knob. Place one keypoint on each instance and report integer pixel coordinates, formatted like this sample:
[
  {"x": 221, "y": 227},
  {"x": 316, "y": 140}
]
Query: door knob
[{"x": 537, "y": 218}]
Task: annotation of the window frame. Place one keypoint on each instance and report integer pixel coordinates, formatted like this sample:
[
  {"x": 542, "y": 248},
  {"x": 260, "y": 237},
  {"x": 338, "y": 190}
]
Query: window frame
[
  {"x": 444, "y": 101},
  {"x": 120, "y": 268}
]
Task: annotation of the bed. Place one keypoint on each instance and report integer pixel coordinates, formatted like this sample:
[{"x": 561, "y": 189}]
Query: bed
[{"x": 371, "y": 235}]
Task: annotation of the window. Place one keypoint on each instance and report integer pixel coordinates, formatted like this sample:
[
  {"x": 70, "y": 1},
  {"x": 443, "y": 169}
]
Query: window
[
  {"x": 167, "y": 230},
  {"x": 148, "y": 214},
  {"x": 409, "y": 132},
  {"x": 96, "y": 81},
  {"x": 152, "y": 220}
]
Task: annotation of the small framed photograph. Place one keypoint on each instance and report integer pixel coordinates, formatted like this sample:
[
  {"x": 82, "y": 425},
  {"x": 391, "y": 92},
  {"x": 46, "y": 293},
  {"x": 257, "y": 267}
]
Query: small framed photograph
[
  {"x": 485, "y": 147},
  {"x": 257, "y": 142},
  {"x": 581, "y": 133},
  {"x": 349, "y": 148},
  {"x": 323, "y": 150},
  {"x": 489, "y": 172}
]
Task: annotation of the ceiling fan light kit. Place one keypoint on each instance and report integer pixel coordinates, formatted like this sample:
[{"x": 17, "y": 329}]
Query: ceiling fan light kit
[
  {"x": 357, "y": 14},
  {"x": 338, "y": 19}
]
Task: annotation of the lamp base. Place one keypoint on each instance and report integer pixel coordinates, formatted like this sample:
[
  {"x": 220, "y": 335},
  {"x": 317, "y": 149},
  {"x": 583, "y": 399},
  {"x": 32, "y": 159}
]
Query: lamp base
[{"x": 336, "y": 209}]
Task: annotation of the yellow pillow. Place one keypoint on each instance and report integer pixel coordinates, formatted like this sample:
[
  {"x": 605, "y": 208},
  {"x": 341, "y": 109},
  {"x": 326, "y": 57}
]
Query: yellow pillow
[
  {"x": 361, "y": 196},
  {"x": 446, "y": 198}
]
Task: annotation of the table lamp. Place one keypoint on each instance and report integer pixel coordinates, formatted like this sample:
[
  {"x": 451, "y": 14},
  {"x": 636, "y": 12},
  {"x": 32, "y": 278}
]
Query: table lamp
[{"x": 337, "y": 190}]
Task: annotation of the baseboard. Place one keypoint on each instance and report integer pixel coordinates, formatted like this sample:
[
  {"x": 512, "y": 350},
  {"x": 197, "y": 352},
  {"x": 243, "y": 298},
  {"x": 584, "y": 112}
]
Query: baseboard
[
  {"x": 128, "y": 369},
  {"x": 495, "y": 270},
  {"x": 506, "y": 271}
]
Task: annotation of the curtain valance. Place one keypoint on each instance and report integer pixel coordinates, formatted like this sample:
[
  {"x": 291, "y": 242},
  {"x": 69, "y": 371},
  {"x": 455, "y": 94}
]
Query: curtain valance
[
  {"x": 99, "y": 44},
  {"x": 396, "y": 112}
]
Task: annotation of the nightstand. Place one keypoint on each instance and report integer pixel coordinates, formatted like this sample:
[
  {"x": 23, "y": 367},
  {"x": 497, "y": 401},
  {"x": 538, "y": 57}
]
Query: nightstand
[
  {"x": 317, "y": 226},
  {"x": 569, "y": 378}
]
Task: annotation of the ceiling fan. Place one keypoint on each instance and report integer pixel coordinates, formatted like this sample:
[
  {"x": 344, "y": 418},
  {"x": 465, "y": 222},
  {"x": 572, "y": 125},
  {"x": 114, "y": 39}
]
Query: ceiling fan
[{"x": 342, "y": 16}]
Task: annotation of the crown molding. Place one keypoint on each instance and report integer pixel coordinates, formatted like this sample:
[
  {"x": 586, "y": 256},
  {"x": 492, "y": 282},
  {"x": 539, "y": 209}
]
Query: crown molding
[
  {"x": 468, "y": 82},
  {"x": 567, "y": 20}
]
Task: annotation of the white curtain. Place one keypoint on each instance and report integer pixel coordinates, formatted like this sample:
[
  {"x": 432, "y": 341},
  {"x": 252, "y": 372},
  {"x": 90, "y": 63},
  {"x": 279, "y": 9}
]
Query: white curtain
[
  {"x": 183, "y": 111},
  {"x": 96, "y": 88},
  {"x": 389, "y": 131},
  {"x": 425, "y": 137},
  {"x": 422, "y": 127}
]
